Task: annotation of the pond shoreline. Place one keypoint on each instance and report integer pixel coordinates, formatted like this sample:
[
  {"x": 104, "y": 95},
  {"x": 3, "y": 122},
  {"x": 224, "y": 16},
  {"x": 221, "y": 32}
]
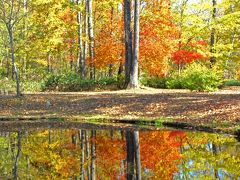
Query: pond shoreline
[
  {"x": 15, "y": 124},
  {"x": 213, "y": 112}
]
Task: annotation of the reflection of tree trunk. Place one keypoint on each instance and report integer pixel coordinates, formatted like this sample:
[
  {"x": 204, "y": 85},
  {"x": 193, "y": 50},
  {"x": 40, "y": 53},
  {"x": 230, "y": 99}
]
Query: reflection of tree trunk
[
  {"x": 81, "y": 139},
  {"x": 93, "y": 155},
  {"x": 137, "y": 154},
  {"x": 111, "y": 134},
  {"x": 215, "y": 151},
  {"x": 130, "y": 155},
  {"x": 87, "y": 155},
  {"x": 49, "y": 137},
  {"x": 28, "y": 167},
  {"x": 16, "y": 162},
  {"x": 74, "y": 139}
]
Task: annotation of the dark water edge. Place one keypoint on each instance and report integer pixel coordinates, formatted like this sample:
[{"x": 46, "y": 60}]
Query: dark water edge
[{"x": 55, "y": 149}]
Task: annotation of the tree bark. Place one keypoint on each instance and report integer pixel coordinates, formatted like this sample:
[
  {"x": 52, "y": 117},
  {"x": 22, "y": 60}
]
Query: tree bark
[
  {"x": 15, "y": 69},
  {"x": 85, "y": 44},
  {"x": 81, "y": 60},
  {"x": 128, "y": 40},
  {"x": 91, "y": 37},
  {"x": 110, "y": 72},
  {"x": 134, "y": 71},
  {"x": 213, "y": 32}
]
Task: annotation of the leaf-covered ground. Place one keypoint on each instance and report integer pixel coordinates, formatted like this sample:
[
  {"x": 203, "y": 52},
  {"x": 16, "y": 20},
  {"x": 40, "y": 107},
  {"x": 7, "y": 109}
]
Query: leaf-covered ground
[{"x": 221, "y": 109}]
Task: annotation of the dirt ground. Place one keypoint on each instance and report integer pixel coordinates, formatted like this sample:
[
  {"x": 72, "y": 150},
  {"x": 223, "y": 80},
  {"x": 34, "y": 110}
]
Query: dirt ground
[{"x": 217, "y": 109}]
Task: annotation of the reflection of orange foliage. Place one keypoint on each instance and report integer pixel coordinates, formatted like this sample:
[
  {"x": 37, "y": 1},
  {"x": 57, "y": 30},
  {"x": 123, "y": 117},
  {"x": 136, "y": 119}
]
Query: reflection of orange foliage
[
  {"x": 160, "y": 152},
  {"x": 110, "y": 153}
]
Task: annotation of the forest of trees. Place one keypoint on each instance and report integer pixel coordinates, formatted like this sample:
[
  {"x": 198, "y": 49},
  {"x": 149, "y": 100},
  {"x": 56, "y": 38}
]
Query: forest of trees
[{"x": 122, "y": 39}]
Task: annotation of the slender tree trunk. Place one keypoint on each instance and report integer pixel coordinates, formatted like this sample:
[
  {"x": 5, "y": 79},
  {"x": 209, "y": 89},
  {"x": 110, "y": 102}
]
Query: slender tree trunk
[
  {"x": 134, "y": 71},
  {"x": 93, "y": 155},
  {"x": 81, "y": 60},
  {"x": 110, "y": 72},
  {"x": 15, "y": 69},
  {"x": 8, "y": 64},
  {"x": 85, "y": 45},
  {"x": 49, "y": 62},
  {"x": 88, "y": 156},
  {"x": 25, "y": 7},
  {"x": 215, "y": 152},
  {"x": 49, "y": 137},
  {"x": 91, "y": 37},
  {"x": 213, "y": 32},
  {"x": 137, "y": 155},
  {"x": 82, "y": 139},
  {"x": 16, "y": 161},
  {"x": 128, "y": 40}
]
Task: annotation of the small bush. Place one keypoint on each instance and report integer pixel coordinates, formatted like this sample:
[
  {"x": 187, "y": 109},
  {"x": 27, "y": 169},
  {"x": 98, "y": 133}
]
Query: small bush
[
  {"x": 199, "y": 77},
  {"x": 73, "y": 82},
  {"x": 7, "y": 84},
  {"x": 232, "y": 82},
  {"x": 155, "y": 82},
  {"x": 175, "y": 82},
  {"x": 31, "y": 86}
]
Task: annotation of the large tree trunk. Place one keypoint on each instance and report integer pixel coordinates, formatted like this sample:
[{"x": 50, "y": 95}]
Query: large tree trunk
[
  {"x": 134, "y": 70},
  {"x": 212, "y": 39},
  {"x": 91, "y": 37},
  {"x": 128, "y": 40}
]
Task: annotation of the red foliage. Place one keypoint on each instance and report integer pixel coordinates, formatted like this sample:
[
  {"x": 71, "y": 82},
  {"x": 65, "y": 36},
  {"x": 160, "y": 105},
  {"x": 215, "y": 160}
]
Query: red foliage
[{"x": 183, "y": 56}]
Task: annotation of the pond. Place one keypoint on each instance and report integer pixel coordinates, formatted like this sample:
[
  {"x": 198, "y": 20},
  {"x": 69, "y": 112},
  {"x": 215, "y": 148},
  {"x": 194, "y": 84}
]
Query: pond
[{"x": 70, "y": 153}]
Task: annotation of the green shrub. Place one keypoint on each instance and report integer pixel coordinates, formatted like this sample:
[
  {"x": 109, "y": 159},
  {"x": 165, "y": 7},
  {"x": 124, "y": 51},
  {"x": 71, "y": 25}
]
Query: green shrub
[
  {"x": 7, "y": 84},
  {"x": 232, "y": 82},
  {"x": 31, "y": 86},
  {"x": 73, "y": 82},
  {"x": 175, "y": 82},
  {"x": 199, "y": 77},
  {"x": 155, "y": 82}
]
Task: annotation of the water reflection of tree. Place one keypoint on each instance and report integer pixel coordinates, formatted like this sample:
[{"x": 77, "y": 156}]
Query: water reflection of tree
[
  {"x": 209, "y": 156},
  {"x": 133, "y": 155},
  {"x": 84, "y": 154}
]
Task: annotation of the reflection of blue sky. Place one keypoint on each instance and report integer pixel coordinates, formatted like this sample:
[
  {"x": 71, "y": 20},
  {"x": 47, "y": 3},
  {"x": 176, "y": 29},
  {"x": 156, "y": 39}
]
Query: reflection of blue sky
[{"x": 187, "y": 170}]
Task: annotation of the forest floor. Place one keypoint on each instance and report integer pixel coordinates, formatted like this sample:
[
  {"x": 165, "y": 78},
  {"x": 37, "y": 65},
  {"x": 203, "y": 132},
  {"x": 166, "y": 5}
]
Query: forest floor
[{"x": 219, "y": 110}]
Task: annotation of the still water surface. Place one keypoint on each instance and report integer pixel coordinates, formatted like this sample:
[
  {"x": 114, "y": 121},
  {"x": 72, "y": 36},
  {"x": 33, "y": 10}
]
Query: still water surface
[{"x": 102, "y": 154}]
